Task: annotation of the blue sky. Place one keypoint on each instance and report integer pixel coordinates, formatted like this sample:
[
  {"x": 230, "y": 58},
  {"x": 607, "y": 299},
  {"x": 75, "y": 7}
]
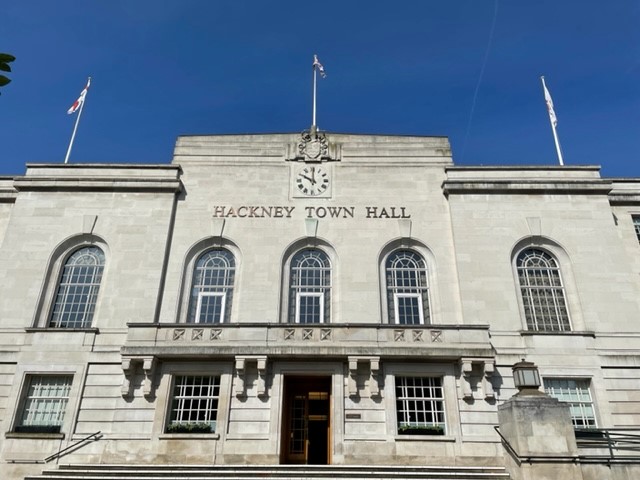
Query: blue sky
[{"x": 166, "y": 68}]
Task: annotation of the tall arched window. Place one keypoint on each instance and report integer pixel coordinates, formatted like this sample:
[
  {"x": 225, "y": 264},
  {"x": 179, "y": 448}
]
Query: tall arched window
[
  {"x": 407, "y": 288},
  {"x": 212, "y": 287},
  {"x": 310, "y": 287},
  {"x": 542, "y": 291},
  {"x": 75, "y": 299}
]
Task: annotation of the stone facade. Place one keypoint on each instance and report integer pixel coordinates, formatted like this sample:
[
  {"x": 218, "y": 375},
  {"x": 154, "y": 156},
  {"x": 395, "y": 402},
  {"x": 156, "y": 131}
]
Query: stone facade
[{"x": 338, "y": 385}]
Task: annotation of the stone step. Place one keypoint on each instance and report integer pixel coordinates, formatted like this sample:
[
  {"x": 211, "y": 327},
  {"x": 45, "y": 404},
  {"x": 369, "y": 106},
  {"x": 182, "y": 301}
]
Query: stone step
[{"x": 280, "y": 472}]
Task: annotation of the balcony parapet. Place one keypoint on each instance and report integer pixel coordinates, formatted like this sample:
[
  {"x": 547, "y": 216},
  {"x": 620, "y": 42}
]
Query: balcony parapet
[{"x": 318, "y": 340}]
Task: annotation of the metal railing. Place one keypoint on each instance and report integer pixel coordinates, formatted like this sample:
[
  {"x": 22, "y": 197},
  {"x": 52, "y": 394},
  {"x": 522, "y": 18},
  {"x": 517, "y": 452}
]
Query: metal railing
[
  {"x": 616, "y": 441},
  {"x": 72, "y": 448}
]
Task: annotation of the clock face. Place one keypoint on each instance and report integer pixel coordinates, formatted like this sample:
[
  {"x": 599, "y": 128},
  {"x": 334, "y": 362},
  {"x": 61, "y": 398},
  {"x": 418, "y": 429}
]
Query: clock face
[{"x": 312, "y": 180}]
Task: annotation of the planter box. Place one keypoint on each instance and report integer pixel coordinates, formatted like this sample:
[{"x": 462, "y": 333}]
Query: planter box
[
  {"x": 37, "y": 429},
  {"x": 418, "y": 430},
  {"x": 189, "y": 428}
]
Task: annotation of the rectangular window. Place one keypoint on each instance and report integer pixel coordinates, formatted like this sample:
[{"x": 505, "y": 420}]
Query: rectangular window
[
  {"x": 576, "y": 393},
  {"x": 420, "y": 406},
  {"x": 636, "y": 225},
  {"x": 408, "y": 308},
  {"x": 194, "y": 404},
  {"x": 310, "y": 307},
  {"x": 210, "y": 308},
  {"x": 45, "y": 403}
]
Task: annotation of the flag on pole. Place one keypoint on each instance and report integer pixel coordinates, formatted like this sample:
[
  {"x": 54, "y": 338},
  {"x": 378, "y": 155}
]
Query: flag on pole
[
  {"x": 547, "y": 98},
  {"x": 318, "y": 65},
  {"x": 78, "y": 103}
]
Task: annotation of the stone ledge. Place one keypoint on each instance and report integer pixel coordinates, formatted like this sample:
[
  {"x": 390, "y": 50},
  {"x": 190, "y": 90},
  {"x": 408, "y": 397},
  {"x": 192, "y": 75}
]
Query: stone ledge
[
  {"x": 189, "y": 436},
  {"x": 36, "y": 436},
  {"x": 584, "y": 333}
]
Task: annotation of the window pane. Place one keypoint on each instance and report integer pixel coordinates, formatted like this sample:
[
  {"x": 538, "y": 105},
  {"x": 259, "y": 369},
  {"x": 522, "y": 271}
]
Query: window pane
[
  {"x": 309, "y": 287},
  {"x": 194, "y": 404},
  {"x": 407, "y": 288},
  {"x": 45, "y": 401},
  {"x": 77, "y": 292},
  {"x": 542, "y": 291},
  {"x": 214, "y": 273},
  {"x": 576, "y": 393},
  {"x": 636, "y": 225},
  {"x": 419, "y": 403}
]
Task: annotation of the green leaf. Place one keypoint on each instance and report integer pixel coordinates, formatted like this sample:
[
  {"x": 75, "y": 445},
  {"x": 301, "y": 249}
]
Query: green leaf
[
  {"x": 4, "y": 67},
  {"x": 4, "y": 80},
  {"x": 6, "y": 58}
]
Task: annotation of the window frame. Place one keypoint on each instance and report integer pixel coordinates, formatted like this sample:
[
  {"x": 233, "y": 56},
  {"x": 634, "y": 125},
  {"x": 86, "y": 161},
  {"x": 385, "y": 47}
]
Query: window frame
[
  {"x": 580, "y": 404},
  {"x": 531, "y": 323},
  {"x": 19, "y": 427},
  {"x": 427, "y": 288},
  {"x": 635, "y": 220},
  {"x": 171, "y": 369},
  {"x": 227, "y": 291},
  {"x": 400, "y": 383},
  {"x": 396, "y": 308},
  {"x": 171, "y": 398},
  {"x": 90, "y": 306},
  {"x": 321, "y": 316},
  {"x": 201, "y": 295},
  {"x": 325, "y": 289}
]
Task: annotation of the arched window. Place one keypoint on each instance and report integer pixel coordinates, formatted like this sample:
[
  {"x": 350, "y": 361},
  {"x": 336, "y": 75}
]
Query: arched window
[
  {"x": 407, "y": 288},
  {"x": 542, "y": 291},
  {"x": 310, "y": 287},
  {"x": 75, "y": 299},
  {"x": 212, "y": 287}
]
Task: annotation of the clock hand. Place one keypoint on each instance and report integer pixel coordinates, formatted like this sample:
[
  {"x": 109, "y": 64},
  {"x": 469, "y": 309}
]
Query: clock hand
[
  {"x": 307, "y": 178},
  {"x": 313, "y": 175}
]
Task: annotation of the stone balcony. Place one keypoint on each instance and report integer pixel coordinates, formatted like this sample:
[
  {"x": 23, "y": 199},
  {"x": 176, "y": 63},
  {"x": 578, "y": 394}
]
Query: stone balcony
[{"x": 450, "y": 342}]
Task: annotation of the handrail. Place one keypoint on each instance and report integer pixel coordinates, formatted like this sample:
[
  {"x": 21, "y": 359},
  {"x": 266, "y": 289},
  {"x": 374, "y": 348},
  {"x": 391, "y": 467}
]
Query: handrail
[
  {"x": 59, "y": 453},
  {"x": 599, "y": 438}
]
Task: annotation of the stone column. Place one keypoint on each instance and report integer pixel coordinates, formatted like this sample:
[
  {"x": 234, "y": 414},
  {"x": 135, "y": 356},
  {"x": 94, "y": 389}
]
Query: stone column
[{"x": 536, "y": 424}]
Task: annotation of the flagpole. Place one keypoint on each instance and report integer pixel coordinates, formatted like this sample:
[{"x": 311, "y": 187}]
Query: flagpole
[
  {"x": 313, "y": 123},
  {"x": 553, "y": 124},
  {"x": 75, "y": 127}
]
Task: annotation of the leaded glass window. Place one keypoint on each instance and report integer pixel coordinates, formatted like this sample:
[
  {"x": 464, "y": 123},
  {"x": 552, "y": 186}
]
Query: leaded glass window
[
  {"x": 576, "y": 393},
  {"x": 407, "y": 288},
  {"x": 420, "y": 405},
  {"x": 542, "y": 291},
  {"x": 194, "y": 404},
  {"x": 77, "y": 292},
  {"x": 212, "y": 287},
  {"x": 45, "y": 403},
  {"x": 636, "y": 225},
  {"x": 310, "y": 287}
]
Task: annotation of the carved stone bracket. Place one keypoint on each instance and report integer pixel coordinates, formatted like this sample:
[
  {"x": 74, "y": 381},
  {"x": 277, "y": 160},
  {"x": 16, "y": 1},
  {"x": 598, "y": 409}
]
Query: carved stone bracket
[
  {"x": 241, "y": 372},
  {"x": 465, "y": 383},
  {"x": 466, "y": 369},
  {"x": 374, "y": 372},
  {"x": 148, "y": 367},
  {"x": 129, "y": 365},
  {"x": 127, "y": 370},
  {"x": 487, "y": 386}
]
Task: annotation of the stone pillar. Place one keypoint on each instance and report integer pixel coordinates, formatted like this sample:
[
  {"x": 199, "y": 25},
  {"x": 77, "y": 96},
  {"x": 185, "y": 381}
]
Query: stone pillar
[{"x": 536, "y": 424}]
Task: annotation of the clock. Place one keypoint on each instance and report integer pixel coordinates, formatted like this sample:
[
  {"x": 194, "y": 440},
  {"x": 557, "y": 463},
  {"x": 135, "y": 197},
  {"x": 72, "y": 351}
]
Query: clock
[{"x": 312, "y": 181}]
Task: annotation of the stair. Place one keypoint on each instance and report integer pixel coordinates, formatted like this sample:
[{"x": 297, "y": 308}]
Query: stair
[{"x": 280, "y": 472}]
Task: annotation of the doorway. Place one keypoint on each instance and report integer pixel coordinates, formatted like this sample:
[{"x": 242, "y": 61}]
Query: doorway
[{"x": 306, "y": 430}]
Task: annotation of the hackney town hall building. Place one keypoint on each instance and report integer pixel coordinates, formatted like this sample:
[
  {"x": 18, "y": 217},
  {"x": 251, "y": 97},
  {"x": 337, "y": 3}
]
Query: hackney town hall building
[{"x": 317, "y": 299}]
